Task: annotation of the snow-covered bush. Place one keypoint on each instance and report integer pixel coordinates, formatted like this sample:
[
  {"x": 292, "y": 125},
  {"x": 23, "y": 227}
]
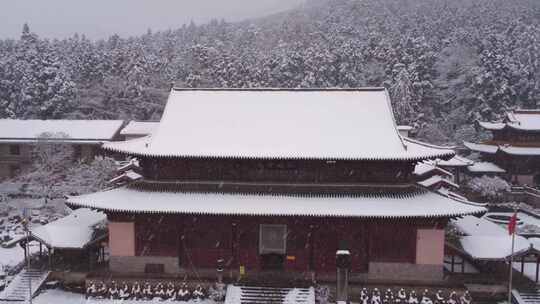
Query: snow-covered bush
[
  {"x": 489, "y": 187},
  {"x": 68, "y": 177},
  {"x": 217, "y": 292},
  {"x": 322, "y": 294}
]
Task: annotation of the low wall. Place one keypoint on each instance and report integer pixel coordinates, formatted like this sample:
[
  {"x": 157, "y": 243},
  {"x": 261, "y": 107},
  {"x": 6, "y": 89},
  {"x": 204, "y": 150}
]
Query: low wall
[
  {"x": 379, "y": 271},
  {"x": 137, "y": 264}
]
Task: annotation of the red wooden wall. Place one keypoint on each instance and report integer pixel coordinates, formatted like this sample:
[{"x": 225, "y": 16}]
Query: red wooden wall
[{"x": 311, "y": 242}]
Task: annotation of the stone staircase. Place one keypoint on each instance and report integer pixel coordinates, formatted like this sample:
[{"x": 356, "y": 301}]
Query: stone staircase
[
  {"x": 17, "y": 290},
  {"x": 269, "y": 295}
]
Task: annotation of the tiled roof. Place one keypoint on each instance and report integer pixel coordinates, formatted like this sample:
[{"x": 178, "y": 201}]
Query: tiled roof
[
  {"x": 525, "y": 120},
  {"x": 423, "y": 168},
  {"x": 485, "y": 167},
  {"x": 456, "y": 161},
  {"x": 511, "y": 150},
  {"x": 74, "y": 231},
  {"x": 72, "y": 130},
  {"x": 435, "y": 179},
  {"x": 280, "y": 123},
  {"x": 417, "y": 205},
  {"x": 485, "y": 240}
]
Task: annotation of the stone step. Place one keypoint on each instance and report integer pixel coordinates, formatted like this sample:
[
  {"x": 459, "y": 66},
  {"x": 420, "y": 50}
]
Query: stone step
[
  {"x": 17, "y": 290},
  {"x": 259, "y": 296},
  {"x": 261, "y": 302},
  {"x": 269, "y": 295}
]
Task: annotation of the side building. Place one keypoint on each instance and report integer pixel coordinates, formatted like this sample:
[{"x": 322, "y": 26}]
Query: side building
[
  {"x": 276, "y": 181},
  {"x": 19, "y": 137},
  {"x": 514, "y": 147}
]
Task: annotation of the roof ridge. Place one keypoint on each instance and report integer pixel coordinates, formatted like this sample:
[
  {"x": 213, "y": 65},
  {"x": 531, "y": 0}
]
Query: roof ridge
[{"x": 429, "y": 145}]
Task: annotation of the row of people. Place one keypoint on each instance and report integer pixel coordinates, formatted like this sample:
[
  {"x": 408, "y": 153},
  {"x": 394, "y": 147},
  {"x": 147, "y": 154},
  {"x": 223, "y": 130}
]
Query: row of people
[
  {"x": 401, "y": 297},
  {"x": 145, "y": 291}
]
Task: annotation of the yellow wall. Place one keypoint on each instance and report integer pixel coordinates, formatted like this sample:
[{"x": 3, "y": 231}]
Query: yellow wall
[{"x": 430, "y": 246}]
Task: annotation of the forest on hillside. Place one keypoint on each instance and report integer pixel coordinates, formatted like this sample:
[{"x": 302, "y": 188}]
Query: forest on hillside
[{"x": 446, "y": 63}]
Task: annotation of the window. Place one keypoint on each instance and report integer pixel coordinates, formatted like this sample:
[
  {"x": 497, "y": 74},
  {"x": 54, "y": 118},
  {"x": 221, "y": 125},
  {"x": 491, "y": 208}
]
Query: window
[
  {"x": 14, "y": 150},
  {"x": 273, "y": 239}
]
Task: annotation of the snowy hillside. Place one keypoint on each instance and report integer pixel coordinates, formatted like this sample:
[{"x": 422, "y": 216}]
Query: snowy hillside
[{"x": 445, "y": 63}]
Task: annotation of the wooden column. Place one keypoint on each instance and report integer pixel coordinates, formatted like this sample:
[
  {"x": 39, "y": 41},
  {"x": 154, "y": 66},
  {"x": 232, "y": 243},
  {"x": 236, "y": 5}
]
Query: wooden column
[
  {"x": 234, "y": 245},
  {"x": 180, "y": 243},
  {"x": 311, "y": 249},
  {"x": 50, "y": 258},
  {"x": 537, "y": 262}
]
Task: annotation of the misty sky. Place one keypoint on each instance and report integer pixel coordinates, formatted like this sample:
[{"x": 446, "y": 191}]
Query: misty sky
[{"x": 101, "y": 18}]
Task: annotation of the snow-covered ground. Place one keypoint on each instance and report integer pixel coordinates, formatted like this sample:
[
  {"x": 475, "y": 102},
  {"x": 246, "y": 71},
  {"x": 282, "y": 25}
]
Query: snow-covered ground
[
  {"x": 58, "y": 296},
  {"x": 14, "y": 255},
  {"x": 10, "y": 257}
]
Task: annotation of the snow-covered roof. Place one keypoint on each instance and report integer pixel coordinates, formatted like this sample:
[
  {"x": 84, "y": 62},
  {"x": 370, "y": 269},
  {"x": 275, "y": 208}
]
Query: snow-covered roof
[
  {"x": 73, "y": 231},
  {"x": 128, "y": 175},
  {"x": 404, "y": 128},
  {"x": 424, "y": 168},
  {"x": 493, "y": 247},
  {"x": 486, "y": 240},
  {"x": 420, "y": 204},
  {"x": 484, "y": 148},
  {"x": 129, "y": 165},
  {"x": 435, "y": 179},
  {"x": 456, "y": 161},
  {"x": 86, "y": 131},
  {"x": 451, "y": 194},
  {"x": 520, "y": 150},
  {"x": 492, "y": 125},
  {"x": 485, "y": 167},
  {"x": 280, "y": 123},
  {"x": 134, "y": 128},
  {"x": 474, "y": 226},
  {"x": 511, "y": 150},
  {"x": 525, "y": 120}
]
